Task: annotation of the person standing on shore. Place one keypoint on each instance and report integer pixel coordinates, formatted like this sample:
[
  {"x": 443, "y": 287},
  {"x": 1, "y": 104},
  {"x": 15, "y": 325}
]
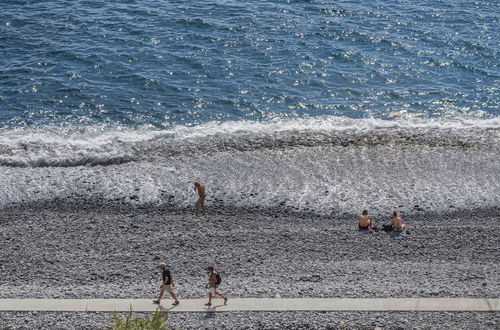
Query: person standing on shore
[
  {"x": 167, "y": 284},
  {"x": 214, "y": 280},
  {"x": 200, "y": 203}
]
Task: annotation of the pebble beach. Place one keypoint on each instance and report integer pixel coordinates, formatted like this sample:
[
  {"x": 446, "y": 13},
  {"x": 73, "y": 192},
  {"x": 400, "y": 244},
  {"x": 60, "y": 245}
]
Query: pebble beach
[
  {"x": 294, "y": 115},
  {"x": 115, "y": 254}
]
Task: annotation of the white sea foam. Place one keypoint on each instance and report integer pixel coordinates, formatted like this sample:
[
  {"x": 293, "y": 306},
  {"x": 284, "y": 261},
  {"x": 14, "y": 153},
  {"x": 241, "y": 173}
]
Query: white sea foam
[
  {"x": 73, "y": 146},
  {"x": 45, "y": 165},
  {"x": 97, "y": 136},
  {"x": 325, "y": 124}
]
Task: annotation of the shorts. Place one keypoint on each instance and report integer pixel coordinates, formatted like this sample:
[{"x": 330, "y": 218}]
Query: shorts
[
  {"x": 212, "y": 288},
  {"x": 167, "y": 287}
]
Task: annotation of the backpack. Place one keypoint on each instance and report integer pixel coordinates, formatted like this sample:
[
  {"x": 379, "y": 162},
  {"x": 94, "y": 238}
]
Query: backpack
[
  {"x": 218, "y": 278},
  {"x": 387, "y": 228}
]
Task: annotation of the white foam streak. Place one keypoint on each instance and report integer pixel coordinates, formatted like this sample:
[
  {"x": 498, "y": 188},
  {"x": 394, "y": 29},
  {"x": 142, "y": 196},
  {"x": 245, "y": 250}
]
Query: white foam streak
[
  {"x": 103, "y": 135},
  {"x": 324, "y": 124},
  {"x": 72, "y": 146}
]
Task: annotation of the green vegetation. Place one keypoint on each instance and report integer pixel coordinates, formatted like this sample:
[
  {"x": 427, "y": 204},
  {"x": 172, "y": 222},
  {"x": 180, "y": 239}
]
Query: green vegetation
[{"x": 132, "y": 322}]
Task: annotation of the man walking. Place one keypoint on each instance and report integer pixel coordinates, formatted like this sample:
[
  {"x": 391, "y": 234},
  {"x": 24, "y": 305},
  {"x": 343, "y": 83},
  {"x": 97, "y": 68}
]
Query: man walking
[
  {"x": 167, "y": 284},
  {"x": 214, "y": 280}
]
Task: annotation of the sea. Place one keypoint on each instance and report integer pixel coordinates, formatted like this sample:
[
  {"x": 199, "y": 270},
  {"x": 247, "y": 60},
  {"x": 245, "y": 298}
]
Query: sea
[{"x": 308, "y": 106}]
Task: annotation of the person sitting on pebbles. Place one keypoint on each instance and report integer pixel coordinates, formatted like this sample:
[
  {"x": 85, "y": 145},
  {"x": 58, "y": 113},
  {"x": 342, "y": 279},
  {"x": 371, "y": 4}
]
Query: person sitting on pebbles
[
  {"x": 365, "y": 222},
  {"x": 397, "y": 222}
]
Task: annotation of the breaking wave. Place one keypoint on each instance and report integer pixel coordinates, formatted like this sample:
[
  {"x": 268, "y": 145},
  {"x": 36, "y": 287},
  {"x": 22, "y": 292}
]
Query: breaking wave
[{"x": 324, "y": 165}]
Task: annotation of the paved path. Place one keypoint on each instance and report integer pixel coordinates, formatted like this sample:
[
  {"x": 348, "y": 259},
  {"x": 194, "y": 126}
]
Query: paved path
[{"x": 254, "y": 304}]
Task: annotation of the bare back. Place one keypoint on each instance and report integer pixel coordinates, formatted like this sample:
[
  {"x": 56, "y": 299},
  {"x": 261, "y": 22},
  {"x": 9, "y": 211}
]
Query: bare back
[
  {"x": 364, "y": 220},
  {"x": 201, "y": 190},
  {"x": 397, "y": 223},
  {"x": 212, "y": 278}
]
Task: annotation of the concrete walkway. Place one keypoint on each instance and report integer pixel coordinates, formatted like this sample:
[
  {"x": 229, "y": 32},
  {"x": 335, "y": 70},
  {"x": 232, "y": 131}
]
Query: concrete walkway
[{"x": 254, "y": 304}]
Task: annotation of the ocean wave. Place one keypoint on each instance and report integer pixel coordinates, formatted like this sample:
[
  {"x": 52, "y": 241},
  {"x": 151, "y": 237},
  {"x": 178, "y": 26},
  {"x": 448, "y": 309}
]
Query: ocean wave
[
  {"x": 319, "y": 165},
  {"x": 108, "y": 145}
]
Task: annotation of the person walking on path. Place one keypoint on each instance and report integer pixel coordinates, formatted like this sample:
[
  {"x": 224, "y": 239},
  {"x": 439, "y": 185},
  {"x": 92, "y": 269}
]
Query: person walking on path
[
  {"x": 214, "y": 280},
  {"x": 167, "y": 284},
  {"x": 200, "y": 203}
]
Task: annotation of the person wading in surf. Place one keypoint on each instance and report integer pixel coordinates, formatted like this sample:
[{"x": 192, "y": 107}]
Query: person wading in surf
[{"x": 200, "y": 203}]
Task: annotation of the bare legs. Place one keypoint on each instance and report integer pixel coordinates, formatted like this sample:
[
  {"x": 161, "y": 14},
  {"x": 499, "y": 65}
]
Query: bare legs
[
  {"x": 172, "y": 294},
  {"x": 200, "y": 206},
  {"x": 174, "y": 297},
  {"x": 210, "y": 296},
  {"x": 160, "y": 296}
]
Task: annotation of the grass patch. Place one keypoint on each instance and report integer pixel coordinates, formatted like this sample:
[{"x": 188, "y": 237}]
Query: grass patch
[{"x": 157, "y": 321}]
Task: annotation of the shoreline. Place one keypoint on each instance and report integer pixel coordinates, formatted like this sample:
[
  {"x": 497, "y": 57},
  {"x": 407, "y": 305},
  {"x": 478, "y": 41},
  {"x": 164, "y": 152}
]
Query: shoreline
[{"x": 218, "y": 208}]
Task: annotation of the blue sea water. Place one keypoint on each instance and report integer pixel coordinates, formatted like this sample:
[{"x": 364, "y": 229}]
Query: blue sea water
[
  {"x": 165, "y": 63},
  {"x": 307, "y": 105}
]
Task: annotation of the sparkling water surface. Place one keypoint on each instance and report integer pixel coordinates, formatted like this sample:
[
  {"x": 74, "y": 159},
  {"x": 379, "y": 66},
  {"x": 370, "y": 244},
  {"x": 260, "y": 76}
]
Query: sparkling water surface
[
  {"x": 306, "y": 106},
  {"x": 164, "y": 63}
]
